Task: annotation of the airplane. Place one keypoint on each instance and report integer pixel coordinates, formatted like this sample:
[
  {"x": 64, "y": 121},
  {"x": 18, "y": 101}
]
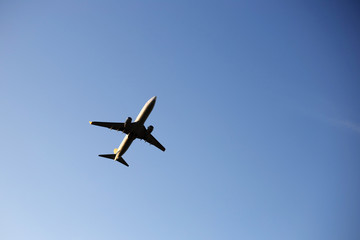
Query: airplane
[{"x": 132, "y": 130}]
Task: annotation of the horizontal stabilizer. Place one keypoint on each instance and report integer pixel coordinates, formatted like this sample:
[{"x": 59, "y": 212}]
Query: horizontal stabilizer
[
  {"x": 112, "y": 156},
  {"x": 121, "y": 160}
]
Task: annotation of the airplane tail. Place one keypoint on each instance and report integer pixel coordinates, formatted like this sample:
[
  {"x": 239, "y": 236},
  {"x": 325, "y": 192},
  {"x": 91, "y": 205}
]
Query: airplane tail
[{"x": 112, "y": 156}]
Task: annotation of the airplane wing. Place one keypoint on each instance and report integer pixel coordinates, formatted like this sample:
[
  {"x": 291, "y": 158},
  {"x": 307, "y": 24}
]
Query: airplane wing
[
  {"x": 150, "y": 139},
  {"x": 112, "y": 125}
]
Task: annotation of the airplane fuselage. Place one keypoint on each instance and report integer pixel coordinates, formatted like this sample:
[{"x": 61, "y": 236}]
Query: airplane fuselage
[{"x": 138, "y": 129}]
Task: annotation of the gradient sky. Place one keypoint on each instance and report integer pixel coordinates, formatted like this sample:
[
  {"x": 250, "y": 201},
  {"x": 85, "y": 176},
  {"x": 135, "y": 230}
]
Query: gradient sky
[{"x": 258, "y": 107}]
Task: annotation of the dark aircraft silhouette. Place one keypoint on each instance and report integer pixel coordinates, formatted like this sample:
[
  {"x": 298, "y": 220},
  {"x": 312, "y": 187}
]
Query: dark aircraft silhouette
[{"x": 132, "y": 130}]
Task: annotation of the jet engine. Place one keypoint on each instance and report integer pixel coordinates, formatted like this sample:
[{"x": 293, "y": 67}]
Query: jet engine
[
  {"x": 149, "y": 129},
  {"x": 127, "y": 122}
]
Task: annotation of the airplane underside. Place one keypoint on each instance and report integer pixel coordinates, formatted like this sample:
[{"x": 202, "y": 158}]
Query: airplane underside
[{"x": 133, "y": 130}]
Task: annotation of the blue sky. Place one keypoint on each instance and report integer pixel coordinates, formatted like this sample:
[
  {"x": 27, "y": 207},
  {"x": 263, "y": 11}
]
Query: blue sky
[{"x": 257, "y": 106}]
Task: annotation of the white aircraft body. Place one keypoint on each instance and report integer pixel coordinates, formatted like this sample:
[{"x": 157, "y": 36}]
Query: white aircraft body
[{"x": 132, "y": 130}]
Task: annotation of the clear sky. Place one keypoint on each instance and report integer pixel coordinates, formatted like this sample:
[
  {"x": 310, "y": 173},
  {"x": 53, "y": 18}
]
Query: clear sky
[{"x": 257, "y": 105}]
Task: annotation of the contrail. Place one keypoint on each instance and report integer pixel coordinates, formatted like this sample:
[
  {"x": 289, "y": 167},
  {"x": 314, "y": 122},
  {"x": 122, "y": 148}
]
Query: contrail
[{"x": 351, "y": 125}]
